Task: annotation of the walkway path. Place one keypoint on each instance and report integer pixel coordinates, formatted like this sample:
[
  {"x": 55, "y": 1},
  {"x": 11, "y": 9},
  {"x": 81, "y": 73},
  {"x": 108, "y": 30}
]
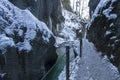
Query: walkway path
[{"x": 93, "y": 67}]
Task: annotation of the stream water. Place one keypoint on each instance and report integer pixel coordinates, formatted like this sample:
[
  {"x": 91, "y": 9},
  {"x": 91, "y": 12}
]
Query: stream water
[{"x": 60, "y": 64}]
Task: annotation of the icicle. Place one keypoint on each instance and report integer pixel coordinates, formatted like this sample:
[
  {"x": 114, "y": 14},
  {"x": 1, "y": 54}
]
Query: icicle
[{"x": 50, "y": 23}]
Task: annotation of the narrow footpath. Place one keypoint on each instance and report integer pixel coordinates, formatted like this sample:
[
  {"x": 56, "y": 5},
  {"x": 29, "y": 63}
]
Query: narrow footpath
[{"x": 91, "y": 66}]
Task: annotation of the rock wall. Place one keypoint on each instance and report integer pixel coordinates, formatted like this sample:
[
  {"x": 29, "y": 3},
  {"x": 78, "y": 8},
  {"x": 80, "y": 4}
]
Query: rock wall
[
  {"x": 27, "y": 49},
  {"x": 66, "y": 5},
  {"x": 104, "y": 29},
  {"x": 44, "y": 10},
  {"x": 92, "y": 6}
]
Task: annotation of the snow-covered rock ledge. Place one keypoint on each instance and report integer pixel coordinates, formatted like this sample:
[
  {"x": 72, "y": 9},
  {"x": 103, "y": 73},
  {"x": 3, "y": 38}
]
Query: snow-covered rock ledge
[
  {"x": 20, "y": 33},
  {"x": 22, "y": 24}
]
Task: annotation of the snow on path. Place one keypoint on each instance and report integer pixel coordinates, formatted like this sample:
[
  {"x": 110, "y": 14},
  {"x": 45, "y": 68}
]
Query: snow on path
[{"x": 91, "y": 66}]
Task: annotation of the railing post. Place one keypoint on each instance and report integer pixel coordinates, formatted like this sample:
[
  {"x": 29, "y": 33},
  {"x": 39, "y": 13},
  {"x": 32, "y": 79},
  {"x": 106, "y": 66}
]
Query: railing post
[
  {"x": 81, "y": 47},
  {"x": 67, "y": 62}
]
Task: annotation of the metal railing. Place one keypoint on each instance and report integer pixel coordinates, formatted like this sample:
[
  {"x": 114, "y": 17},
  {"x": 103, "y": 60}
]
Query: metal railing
[{"x": 67, "y": 45}]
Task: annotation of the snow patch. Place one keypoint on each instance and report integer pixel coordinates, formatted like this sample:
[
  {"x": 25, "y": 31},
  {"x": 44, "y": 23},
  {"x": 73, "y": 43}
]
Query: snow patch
[
  {"x": 108, "y": 15},
  {"x": 113, "y": 37},
  {"x": 108, "y": 32},
  {"x": 5, "y": 42},
  {"x": 24, "y": 46}
]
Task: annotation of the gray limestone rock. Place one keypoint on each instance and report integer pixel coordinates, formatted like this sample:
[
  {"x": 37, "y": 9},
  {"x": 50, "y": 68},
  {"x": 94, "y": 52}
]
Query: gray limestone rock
[{"x": 27, "y": 48}]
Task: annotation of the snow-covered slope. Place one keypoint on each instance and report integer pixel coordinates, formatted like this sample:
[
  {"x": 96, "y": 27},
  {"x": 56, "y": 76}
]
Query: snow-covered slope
[
  {"x": 19, "y": 24},
  {"x": 71, "y": 24}
]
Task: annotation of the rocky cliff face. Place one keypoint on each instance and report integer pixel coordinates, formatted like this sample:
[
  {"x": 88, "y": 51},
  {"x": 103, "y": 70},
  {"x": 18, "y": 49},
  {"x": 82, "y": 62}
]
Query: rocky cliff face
[
  {"x": 104, "y": 29},
  {"x": 66, "y": 5},
  {"x": 48, "y": 11},
  {"x": 26, "y": 44},
  {"x": 92, "y": 6}
]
